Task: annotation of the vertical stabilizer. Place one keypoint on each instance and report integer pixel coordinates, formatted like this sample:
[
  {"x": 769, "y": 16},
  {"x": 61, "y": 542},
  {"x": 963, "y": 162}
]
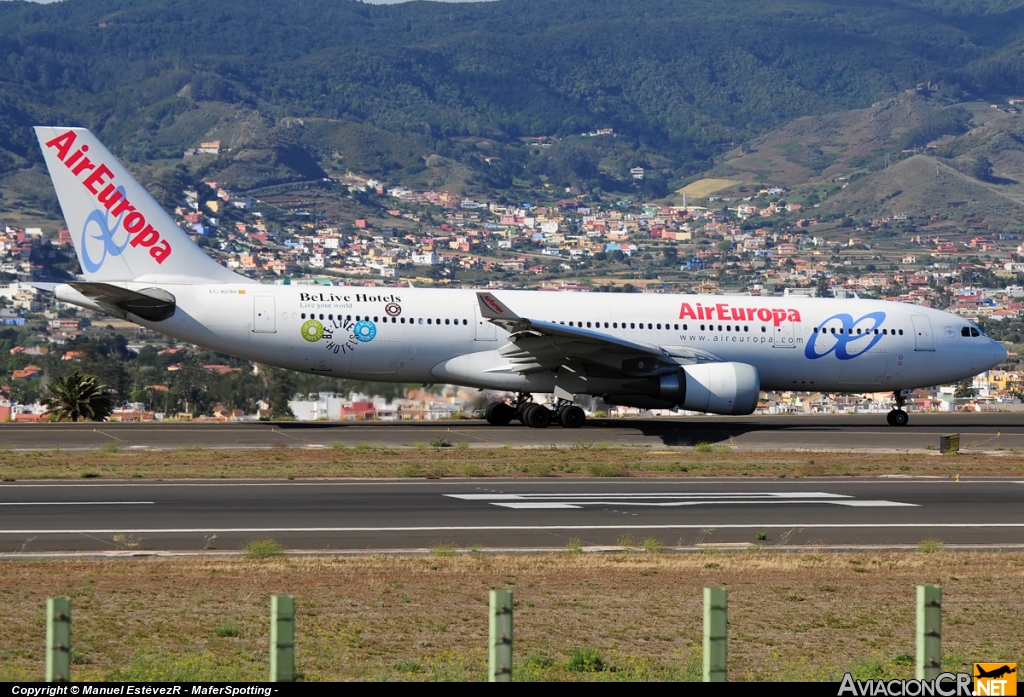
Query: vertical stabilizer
[{"x": 120, "y": 233}]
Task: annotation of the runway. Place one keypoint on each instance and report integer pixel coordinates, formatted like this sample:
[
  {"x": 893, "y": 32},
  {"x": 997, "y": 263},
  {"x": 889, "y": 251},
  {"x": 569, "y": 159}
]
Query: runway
[
  {"x": 352, "y": 516},
  {"x": 980, "y": 432}
]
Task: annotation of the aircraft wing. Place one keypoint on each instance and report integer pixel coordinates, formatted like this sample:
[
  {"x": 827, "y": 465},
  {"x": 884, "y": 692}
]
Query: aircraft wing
[{"x": 537, "y": 345}]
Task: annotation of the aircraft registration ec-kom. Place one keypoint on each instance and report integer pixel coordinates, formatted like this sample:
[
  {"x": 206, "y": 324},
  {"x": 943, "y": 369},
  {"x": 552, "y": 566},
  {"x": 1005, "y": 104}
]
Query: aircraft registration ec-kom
[{"x": 703, "y": 353}]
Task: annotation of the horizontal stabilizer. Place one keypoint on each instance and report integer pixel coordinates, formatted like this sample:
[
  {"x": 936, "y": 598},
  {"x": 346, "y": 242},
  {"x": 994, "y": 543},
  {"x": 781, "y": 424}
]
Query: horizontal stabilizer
[{"x": 152, "y": 304}]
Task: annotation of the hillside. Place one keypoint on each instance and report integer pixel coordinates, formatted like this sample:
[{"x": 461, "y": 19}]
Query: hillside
[
  {"x": 922, "y": 186},
  {"x": 298, "y": 88}
]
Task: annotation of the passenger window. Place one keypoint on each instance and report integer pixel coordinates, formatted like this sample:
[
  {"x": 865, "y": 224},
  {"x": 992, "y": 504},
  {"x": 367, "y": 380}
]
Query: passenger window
[
  {"x": 330, "y": 316},
  {"x": 447, "y": 321},
  {"x": 403, "y": 320},
  {"x": 684, "y": 327},
  {"x": 464, "y": 322},
  {"x": 659, "y": 325},
  {"x": 763, "y": 330},
  {"x": 375, "y": 319},
  {"x": 421, "y": 320},
  {"x": 588, "y": 325},
  {"x": 615, "y": 325},
  {"x": 428, "y": 320},
  {"x": 901, "y": 332},
  {"x": 303, "y": 315},
  {"x": 605, "y": 325},
  {"x": 650, "y": 326}
]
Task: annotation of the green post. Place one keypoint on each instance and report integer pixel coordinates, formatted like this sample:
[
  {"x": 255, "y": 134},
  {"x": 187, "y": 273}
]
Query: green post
[
  {"x": 58, "y": 640},
  {"x": 715, "y": 634},
  {"x": 929, "y": 632},
  {"x": 500, "y": 664},
  {"x": 282, "y": 638}
]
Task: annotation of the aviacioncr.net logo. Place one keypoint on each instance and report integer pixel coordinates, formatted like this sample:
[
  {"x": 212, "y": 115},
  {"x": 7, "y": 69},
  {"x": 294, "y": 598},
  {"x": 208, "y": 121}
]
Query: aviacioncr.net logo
[
  {"x": 839, "y": 334},
  {"x": 98, "y": 228}
]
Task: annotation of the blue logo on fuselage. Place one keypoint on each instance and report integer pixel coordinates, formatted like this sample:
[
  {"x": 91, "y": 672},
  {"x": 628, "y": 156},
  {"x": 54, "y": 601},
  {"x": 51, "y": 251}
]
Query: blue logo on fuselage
[
  {"x": 101, "y": 220},
  {"x": 365, "y": 330},
  {"x": 843, "y": 340}
]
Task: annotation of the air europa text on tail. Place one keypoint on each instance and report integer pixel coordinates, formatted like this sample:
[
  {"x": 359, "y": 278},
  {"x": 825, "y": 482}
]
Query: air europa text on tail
[{"x": 111, "y": 196}]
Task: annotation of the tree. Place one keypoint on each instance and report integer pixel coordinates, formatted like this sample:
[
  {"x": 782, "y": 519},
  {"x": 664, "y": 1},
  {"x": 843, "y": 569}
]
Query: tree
[
  {"x": 982, "y": 168},
  {"x": 964, "y": 389},
  {"x": 282, "y": 389},
  {"x": 79, "y": 398}
]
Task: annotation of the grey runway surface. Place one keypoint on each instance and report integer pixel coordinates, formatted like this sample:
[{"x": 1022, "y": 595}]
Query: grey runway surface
[
  {"x": 350, "y": 516},
  {"x": 986, "y": 432}
]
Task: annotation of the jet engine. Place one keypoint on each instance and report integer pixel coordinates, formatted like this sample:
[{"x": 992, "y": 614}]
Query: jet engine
[{"x": 713, "y": 388}]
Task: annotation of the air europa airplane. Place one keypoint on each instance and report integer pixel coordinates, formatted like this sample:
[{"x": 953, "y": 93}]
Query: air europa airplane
[{"x": 697, "y": 352}]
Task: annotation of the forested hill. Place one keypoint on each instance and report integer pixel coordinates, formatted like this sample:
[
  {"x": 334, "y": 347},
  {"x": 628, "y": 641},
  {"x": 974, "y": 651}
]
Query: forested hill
[{"x": 680, "y": 77}]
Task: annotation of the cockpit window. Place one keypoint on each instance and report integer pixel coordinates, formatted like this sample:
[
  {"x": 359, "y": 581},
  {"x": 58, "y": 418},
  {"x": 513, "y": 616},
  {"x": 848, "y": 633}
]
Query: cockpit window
[
  {"x": 969, "y": 331},
  {"x": 975, "y": 332}
]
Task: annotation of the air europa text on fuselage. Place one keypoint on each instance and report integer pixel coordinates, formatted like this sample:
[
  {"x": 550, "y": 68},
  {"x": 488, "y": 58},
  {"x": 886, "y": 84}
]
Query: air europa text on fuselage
[
  {"x": 112, "y": 197},
  {"x": 724, "y": 312}
]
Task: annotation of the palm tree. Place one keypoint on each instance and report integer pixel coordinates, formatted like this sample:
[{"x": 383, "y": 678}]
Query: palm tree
[{"x": 79, "y": 398}]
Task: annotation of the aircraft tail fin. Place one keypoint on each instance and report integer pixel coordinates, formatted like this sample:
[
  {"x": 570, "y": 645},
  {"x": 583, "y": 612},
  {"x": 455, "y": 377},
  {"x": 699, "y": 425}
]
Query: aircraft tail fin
[{"x": 119, "y": 231}]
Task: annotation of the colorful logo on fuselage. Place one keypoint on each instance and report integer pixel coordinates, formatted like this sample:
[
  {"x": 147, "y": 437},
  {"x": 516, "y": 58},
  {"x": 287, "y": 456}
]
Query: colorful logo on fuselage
[
  {"x": 845, "y": 336},
  {"x": 312, "y": 330},
  {"x": 365, "y": 330}
]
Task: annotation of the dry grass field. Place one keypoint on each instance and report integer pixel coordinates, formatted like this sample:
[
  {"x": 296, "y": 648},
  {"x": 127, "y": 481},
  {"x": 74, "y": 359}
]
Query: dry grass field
[
  {"x": 706, "y": 187},
  {"x": 578, "y": 616},
  {"x": 584, "y": 459}
]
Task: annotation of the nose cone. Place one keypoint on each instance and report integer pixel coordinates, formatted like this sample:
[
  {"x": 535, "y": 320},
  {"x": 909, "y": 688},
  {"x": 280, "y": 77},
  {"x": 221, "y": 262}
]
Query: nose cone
[{"x": 995, "y": 353}]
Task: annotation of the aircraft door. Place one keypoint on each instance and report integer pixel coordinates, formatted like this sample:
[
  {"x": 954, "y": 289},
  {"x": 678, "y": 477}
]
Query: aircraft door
[
  {"x": 922, "y": 333},
  {"x": 784, "y": 336},
  {"x": 263, "y": 320}
]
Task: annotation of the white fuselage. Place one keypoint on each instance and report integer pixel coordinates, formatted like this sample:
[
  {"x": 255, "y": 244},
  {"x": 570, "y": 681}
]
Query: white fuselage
[{"x": 432, "y": 335}]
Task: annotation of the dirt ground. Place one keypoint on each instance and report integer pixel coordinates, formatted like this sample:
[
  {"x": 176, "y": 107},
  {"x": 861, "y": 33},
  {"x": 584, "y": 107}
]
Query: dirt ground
[
  {"x": 578, "y": 616},
  {"x": 581, "y": 460}
]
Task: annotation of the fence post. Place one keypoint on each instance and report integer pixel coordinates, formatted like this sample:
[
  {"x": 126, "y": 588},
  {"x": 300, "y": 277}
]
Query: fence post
[
  {"x": 58, "y": 640},
  {"x": 715, "y": 634},
  {"x": 500, "y": 637},
  {"x": 929, "y": 632},
  {"x": 282, "y": 638}
]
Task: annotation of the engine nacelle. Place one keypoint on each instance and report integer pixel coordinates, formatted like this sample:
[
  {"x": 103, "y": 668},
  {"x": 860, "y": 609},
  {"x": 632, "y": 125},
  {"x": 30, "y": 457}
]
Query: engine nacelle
[{"x": 714, "y": 388}]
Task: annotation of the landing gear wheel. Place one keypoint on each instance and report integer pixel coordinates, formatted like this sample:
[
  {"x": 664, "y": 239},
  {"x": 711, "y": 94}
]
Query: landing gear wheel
[
  {"x": 572, "y": 417},
  {"x": 889, "y": 419},
  {"x": 899, "y": 417},
  {"x": 523, "y": 413},
  {"x": 538, "y": 416},
  {"x": 499, "y": 414}
]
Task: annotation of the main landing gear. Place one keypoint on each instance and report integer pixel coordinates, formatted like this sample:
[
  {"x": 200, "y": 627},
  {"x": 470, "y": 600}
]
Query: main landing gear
[
  {"x": 566, "y": 414},
  {"x": 898, "y": 417}
]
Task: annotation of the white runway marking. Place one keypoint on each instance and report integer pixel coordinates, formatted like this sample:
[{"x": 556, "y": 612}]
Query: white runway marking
[
  {"x": 577, "y": 501},
  {"x": 76, "y": 503}
]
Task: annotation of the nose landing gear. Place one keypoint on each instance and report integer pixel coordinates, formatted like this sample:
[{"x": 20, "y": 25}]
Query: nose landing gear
[{"x": 898, "y": 417}]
